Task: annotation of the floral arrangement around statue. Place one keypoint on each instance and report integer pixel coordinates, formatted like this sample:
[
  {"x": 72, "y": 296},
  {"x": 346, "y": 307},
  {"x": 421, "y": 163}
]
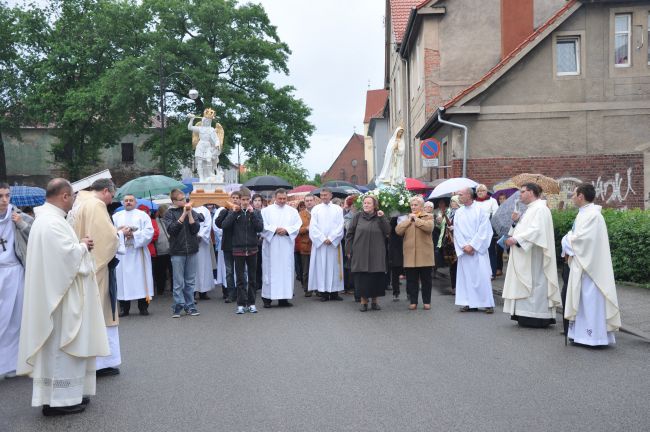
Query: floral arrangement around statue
[{"x": 393, "y": 200}]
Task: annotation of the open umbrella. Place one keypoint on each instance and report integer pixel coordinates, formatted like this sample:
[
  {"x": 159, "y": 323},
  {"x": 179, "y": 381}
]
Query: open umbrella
[
  {"x": 362, "y": 189},
  {"x": 451, "y": 186},
  {"x": 339, "y": 192},
  {"x": 502, "y": 218},
  {"x": 262, "y": 183},
  {"x": 147, "y": 186},
  {"x": 338, "y": 183},
  {"x": 505, "y": 192},
  {"x": 415, "y": 184},
  {"x": 549, "y": 185},
  {"x": 27, "y": 196},
  {"x": 302, "y": 188}
]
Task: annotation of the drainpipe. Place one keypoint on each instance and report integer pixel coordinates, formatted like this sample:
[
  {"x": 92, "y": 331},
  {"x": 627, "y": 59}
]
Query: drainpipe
[
  {"x": 407, "y": 99},
  {"x": 460, "y": 126}
]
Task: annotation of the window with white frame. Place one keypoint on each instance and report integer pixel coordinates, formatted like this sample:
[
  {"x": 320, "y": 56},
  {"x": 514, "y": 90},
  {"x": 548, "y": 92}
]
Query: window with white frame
[
  {"x": 567, "y": 51},
  {"x": 622, "y": 39}
]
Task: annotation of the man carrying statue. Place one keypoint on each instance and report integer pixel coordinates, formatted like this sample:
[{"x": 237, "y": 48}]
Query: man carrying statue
[{"x": 208, "y": 143}]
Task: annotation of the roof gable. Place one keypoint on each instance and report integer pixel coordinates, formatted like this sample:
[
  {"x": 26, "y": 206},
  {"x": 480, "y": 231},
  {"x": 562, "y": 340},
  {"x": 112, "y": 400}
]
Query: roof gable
[
  {"x": 375, "y": 102},
  {"x": 355, "y": 139}
]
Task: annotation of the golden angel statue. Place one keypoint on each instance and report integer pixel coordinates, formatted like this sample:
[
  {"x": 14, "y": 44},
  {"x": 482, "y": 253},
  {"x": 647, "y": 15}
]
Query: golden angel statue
[{"x": 208, "y": 143}]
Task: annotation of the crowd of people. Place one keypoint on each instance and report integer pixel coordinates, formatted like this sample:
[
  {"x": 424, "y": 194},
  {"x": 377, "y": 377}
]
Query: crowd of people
[{"x": 70, "y": 273}]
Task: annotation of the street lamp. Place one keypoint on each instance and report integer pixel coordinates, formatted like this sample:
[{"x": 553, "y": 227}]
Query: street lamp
[{"x": 192, "y": 94}]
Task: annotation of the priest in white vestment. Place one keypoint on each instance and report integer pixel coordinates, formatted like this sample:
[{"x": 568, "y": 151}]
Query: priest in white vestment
[
  {"x": 281, "y": 225},
  {"x": 14, "y": 230},
  {"x": 204, "y": 275},
  {"x": 63, "y": 326},
  {"x": 472, "y": 236},
  {"x": 89, "y": 218},
  {"x": 531, "y": 292},
  {"x": 591, "y": 301},
  {"x": 326, "y": 262},
  {"x": 134, "y": 274}
]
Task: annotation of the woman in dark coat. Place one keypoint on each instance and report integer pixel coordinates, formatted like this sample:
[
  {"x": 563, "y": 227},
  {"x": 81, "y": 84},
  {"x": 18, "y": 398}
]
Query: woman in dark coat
[{"x": 366, "y": 246}]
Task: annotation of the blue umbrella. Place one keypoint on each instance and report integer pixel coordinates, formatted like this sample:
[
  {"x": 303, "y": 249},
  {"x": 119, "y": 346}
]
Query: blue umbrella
[
  {"x": 188, "y": 185},
  {"x": 141, "y": 201},
  {"x": 27, "y": 196}
]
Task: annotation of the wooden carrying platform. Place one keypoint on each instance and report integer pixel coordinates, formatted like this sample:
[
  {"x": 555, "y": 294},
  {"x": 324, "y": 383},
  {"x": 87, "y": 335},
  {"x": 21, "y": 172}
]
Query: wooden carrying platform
[{"x": 199, "y": 197}]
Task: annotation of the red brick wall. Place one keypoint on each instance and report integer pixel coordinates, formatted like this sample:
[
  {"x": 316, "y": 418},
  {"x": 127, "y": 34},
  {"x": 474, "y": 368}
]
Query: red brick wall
[
  {"x": 431, "y": 88},
  {"x": 354, "y": 150},
  {"x": 618, "y": 178}
]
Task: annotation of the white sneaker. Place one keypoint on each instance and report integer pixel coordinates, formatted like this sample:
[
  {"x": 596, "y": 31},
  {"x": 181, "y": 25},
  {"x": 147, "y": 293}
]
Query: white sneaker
[
  {"x": 252, "y": 309},
  {"x": 240, "y": 310}
]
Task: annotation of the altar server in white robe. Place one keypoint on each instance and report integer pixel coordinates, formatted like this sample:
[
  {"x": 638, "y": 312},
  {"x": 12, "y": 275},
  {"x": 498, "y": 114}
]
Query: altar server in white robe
[
  {"x": 591, "y": 302},
  {"x": 134, "y": 276},
  {"x": 204, "y": 276},
  {"x": 531, "y": 292},
  {"x": 14, "y": 230},
  {"x": 63, "y": 326},
  {"x": 221, "y": 260},
  {"x": 472, "y": 236},
  {"x": 281, "y": 225},
  {"x": 326, "y": 262}
]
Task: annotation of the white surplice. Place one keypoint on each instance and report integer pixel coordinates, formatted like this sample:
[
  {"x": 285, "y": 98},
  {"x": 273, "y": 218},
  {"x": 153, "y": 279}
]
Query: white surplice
[
  {"x": 591, "y": 303},
  {"x": 531, "y": 287},
  {"x": 277, "y": 259},
  {"x": 221, "y": 260},
  {"x": 12, "y": 279},
  {"x": 204, "y": 276},
  {"x": 473, "y": 285},
  {"x": 134, "y": 277},
  {"x": 326, "y": 262},
  {"x": 63, "y": 327}
]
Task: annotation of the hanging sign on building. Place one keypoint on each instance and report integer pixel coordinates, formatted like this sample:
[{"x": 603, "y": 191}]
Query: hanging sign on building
[{"x": 430, "y": 148}]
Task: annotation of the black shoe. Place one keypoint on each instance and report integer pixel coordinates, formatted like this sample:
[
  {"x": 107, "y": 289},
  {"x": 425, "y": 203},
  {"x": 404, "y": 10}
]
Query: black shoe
[
  {"x": 85, "y": 400},
  {"x": 204, "y": 296},
  {"x": 324, "y": 298},
  {"x": 284, "y": 303},
  {"x": 375, "y": 306},
  {"x": 307, "y": 293},
  {"x": 336, "y": 297},
  {"x": 364, "y": 308},
  {"x": 122, "y": 314},
  {"x": 267, "y": 305},
  {"x": 109, "y": 371},
  {"x": 144, "y": 312},
  {"x": 49, "y": 411},
  {"x": 228, "y": 300}
]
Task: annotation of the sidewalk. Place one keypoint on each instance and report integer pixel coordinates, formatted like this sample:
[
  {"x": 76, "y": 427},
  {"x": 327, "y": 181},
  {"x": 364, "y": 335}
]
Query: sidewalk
[{"x": 633, "y": 301}]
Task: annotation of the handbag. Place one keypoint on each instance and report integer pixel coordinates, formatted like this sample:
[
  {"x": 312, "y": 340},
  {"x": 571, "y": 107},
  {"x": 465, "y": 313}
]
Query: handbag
[{"x": 448, "y": 249}]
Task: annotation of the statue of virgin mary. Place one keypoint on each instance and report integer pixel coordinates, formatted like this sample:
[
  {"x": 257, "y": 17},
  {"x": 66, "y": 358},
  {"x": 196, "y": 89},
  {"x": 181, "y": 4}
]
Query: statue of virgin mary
[{"x": 392, "y": 172}]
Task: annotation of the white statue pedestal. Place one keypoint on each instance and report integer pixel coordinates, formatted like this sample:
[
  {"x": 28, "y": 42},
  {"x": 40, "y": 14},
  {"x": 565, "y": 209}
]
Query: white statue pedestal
[{"x": 209, "y": 192}]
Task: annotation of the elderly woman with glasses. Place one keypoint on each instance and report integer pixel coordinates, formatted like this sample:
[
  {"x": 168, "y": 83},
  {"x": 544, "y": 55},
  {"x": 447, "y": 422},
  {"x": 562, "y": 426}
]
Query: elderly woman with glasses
[{"x": 416, "y": 229}]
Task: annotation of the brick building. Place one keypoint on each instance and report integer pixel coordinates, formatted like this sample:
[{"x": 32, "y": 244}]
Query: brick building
[
  {"x": 350, "y": 165},
  {"x": 570, "y": 101}
]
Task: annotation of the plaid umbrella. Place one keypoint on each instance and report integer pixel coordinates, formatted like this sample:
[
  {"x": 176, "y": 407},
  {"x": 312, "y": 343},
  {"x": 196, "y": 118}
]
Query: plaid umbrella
[
  {"x": 549, "y": 185},
  {"x": 27, "y": 196}
]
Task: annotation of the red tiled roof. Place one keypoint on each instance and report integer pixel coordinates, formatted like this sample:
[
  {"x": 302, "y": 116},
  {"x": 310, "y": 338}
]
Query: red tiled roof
[
  {"x": 399, "y": 15},
  {"x": 507, "y": 59},
  {"x": 375, "y": 102}
]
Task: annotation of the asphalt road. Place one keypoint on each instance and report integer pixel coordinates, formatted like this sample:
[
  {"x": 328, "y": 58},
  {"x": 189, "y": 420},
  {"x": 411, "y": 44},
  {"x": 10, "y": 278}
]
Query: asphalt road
[{"x": 328, "y": 367}]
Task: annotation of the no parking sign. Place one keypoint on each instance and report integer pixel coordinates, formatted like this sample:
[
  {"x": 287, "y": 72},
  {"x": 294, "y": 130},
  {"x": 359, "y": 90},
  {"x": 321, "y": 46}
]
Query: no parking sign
[{"x": 430, "y": 149}]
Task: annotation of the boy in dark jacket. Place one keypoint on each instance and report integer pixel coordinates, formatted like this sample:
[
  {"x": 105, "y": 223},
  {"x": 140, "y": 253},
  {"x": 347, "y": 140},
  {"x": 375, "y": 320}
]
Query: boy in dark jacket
[
  {"x": 226, "y": 247},
  {"x": 245, "y": 223},
  {"x": 183, "y": 225}
]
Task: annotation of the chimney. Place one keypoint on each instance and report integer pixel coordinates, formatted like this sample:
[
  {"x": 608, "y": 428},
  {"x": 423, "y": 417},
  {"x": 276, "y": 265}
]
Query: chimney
[{"x": 516, "y": 23}]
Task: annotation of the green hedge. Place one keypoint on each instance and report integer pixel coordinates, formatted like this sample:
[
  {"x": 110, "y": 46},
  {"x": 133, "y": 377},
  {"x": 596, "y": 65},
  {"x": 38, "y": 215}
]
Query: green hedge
[{"x": 629, "y": 241}]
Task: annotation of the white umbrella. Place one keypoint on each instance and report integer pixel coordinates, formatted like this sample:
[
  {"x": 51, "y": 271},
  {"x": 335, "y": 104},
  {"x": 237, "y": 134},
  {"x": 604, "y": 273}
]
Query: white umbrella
[{"x": 451, "y": 186}]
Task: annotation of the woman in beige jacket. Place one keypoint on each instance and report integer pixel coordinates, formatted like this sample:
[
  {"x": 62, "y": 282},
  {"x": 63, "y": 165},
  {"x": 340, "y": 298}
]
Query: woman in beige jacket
[{"x": 418, "y": 252}]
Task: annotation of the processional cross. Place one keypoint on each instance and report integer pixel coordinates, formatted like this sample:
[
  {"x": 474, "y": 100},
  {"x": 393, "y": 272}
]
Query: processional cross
[{"x": 3, "y": 242}]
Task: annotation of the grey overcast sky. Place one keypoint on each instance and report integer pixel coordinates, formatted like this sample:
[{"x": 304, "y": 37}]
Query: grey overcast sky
[{"x": 337, "y": 52}]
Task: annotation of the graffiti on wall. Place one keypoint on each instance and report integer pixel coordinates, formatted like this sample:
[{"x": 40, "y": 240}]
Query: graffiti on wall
[{"x": 603, "y": 188}]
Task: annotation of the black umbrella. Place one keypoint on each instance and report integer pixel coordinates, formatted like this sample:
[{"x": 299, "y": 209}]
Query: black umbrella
[
  {"x": 338, "y": 183},
  {"x": 112, "y": 284},
  {"x": 261, "y": 183},
  {"x": 338, "y": 192}
]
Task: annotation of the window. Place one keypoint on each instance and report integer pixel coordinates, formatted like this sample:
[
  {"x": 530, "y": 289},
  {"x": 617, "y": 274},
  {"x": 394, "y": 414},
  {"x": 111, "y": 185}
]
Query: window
[
  {"x": 342, "y": 174},
  {"x": 622, "y": 36},
  {"x": 354, "y": 179},
  {"x": 568, "y": 55},
  {"x": 127, "y": 152}
]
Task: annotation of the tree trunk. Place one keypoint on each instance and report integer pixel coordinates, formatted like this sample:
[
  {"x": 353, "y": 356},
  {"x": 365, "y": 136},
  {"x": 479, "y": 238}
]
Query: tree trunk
[{"x": 3, "y": 160}]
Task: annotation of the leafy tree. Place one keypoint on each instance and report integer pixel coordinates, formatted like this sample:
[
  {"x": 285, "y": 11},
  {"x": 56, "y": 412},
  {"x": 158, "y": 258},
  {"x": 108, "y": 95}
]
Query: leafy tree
[{"x": 227, "y": 51}]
